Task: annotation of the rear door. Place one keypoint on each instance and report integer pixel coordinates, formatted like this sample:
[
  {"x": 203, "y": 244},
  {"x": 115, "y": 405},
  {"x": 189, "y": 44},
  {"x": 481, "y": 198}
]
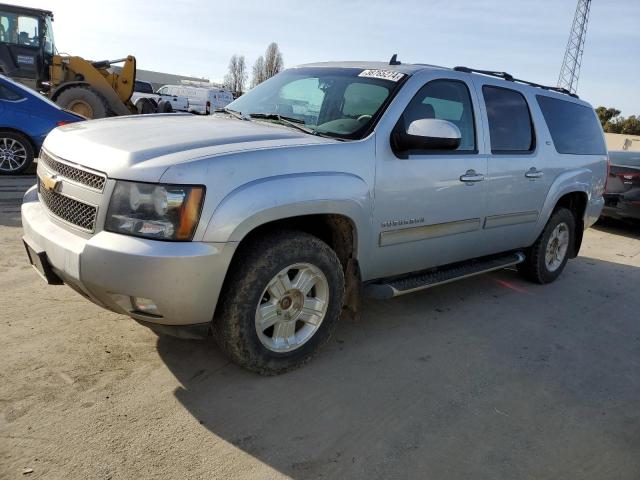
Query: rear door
[{"x": 516, "y": 182}]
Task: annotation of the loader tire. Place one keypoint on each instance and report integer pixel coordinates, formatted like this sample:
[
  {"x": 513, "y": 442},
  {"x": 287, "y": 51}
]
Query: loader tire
[{"x": 84, "y": 101}]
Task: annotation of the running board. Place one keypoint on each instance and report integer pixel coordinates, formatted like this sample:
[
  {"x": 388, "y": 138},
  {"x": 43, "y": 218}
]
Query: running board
[{"x": 439, "y": 276}]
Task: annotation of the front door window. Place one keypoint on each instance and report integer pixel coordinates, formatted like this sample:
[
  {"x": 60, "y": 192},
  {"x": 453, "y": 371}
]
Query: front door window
[
  {"x": 19, "y": 29},
  {"x": 445, "y": 100}
]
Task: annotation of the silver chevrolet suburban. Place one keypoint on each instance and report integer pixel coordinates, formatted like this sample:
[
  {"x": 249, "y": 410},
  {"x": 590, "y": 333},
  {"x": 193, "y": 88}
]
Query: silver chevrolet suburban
[{"x": 263, "y": 224}]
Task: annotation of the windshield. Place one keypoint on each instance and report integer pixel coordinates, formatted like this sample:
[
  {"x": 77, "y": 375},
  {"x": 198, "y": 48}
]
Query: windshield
[
  {"x": 339, "y": 102},
  {"x": 49, "y": 44},
  {"x": 19, "y": 29}
]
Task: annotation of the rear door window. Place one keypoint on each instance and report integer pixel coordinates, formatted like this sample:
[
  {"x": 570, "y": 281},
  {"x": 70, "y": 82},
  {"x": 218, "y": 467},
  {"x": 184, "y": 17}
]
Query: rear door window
[
  {"x": 510, "y": 127},
  {"x": 143, "y": 87},
  {"x": 574, "y": 128}
]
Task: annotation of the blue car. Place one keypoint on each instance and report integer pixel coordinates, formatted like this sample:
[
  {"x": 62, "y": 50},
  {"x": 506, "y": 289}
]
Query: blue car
[{"x": 26, "y": 117}]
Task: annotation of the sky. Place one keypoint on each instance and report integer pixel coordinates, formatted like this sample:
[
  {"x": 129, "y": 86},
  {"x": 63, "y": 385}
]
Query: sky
[{"x": 523, "y": 37}]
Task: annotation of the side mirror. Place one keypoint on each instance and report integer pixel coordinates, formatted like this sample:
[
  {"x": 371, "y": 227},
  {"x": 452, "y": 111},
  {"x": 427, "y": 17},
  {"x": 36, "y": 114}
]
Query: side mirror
[{"x": 427, "y": 134}]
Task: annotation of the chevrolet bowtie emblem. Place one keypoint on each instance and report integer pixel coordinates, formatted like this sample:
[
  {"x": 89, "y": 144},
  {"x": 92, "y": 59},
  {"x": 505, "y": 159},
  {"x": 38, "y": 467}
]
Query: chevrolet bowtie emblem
[{"x": 50, "y": 182}]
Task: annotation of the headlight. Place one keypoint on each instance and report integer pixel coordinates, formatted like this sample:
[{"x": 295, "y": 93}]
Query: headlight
[{"x": 162, "y": 212}]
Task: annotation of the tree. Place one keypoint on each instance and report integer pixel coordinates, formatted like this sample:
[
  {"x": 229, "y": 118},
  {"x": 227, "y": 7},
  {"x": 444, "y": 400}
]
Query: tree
[
  {"x": 258, "y": 72},
  {"x": 237, "y": 76},
  {"x": 273, "y": 63},
  {"x": 606, "y": 114},
  {"x": 267, "y": 66},
  {"x": 612, "y": 122},
  {"x": 631, "y": 125}
]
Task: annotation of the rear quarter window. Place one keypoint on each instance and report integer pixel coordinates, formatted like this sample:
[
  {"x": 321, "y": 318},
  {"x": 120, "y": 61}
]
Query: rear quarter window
[{"x": 574, "y": 128}]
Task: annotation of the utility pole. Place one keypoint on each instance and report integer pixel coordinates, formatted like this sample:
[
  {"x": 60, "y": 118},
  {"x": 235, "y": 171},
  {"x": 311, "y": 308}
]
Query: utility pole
[{"x": 570, "y": 70}]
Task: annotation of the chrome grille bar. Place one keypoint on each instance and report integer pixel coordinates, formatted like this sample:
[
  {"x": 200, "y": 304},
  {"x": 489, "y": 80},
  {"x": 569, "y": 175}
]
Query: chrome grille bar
[
  {"x": 68, "y": 209},
  {"x": 75, "y": 174}
]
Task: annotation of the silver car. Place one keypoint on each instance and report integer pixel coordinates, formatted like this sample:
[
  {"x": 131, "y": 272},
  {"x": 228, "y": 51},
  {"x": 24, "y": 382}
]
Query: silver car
[{"x": 263, "y": 224}]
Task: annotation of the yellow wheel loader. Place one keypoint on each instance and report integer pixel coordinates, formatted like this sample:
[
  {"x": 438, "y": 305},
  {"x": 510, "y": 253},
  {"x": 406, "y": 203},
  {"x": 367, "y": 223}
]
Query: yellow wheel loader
[{"x": 28, "y": 55}]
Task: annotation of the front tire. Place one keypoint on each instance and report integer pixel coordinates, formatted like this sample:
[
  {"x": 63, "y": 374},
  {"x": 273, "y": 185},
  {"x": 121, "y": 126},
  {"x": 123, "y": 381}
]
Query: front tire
[
  {"x": 16, "y": 153},
  {"x": 548, "y": 256},
  {"x": 281, "y": 302}
]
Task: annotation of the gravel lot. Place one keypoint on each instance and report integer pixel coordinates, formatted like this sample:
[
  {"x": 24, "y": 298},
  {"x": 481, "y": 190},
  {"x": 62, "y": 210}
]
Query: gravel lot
[{"x": 488, "y": 378}]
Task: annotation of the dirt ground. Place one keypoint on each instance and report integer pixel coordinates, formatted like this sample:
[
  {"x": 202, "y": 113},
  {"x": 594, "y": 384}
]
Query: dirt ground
[{"x": 488, "y": 378}]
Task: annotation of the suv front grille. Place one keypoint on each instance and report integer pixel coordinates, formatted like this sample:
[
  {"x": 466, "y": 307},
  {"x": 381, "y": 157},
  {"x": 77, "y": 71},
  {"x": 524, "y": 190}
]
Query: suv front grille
[
  {"x": 74, "y": 174},
  {"x": 68, "y": 209}
]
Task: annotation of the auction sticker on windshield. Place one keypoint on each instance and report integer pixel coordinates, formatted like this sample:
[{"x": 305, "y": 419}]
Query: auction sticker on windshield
[{"x": 382, "y": 74}]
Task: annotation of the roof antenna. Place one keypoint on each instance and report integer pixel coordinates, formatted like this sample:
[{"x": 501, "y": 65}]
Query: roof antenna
[{"x": 394, "y": 60}]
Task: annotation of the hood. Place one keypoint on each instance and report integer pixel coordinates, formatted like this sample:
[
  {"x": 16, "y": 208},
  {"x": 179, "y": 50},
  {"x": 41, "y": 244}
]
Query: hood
[{"x": 142, "y": 147}]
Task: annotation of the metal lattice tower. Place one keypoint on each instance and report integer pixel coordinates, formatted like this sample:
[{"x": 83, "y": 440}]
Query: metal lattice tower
[{"x": 570, "y": 70}]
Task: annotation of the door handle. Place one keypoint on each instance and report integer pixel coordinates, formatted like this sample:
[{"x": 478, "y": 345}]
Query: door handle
[
  {"x": 471, "y": 177},
  {"x": 533, "y": 172}
]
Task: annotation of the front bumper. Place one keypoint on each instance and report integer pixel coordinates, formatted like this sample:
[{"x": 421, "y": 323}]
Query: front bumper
[{"x": 183, "y": 279}]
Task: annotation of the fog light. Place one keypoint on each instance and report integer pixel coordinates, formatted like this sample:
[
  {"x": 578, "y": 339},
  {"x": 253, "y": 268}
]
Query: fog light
[{"x": 145, "y": 305}]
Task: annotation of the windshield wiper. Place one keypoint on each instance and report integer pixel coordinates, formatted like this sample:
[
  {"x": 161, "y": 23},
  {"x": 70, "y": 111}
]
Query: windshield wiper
[
  {"x": 233, "y": 113},
  {"x": 290, "y": 121}
]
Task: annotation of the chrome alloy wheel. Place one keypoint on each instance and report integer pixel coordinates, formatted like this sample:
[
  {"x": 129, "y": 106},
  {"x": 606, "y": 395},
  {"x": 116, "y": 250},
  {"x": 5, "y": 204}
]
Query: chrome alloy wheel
[
  {"x": 557, "y": 247},
  {"x": 292, "y": 307},
  {"x": 13, "y": 154}
]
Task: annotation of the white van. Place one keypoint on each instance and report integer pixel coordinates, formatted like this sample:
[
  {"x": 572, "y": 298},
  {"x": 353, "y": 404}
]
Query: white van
[{"x": 202, "y": 100}]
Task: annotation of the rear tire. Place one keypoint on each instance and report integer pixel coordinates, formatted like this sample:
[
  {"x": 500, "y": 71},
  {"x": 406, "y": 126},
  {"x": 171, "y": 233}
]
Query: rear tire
[
  {"x": 84, "y": 101},
  {"x": 16, "y": 153},
  {"x": 146, "y": 106},
  {"x": 165, "y": 107},
  {"x": 547, "y": 257},
  {"x": 260, "y": 322}
]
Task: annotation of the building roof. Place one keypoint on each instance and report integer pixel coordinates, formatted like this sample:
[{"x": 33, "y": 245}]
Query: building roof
[{"x": 158, "y": 79}]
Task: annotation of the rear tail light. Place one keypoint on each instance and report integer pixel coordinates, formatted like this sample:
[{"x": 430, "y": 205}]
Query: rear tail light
[
  {"x": 208, "y": 107},
  {"x": 63, "y": 122}
]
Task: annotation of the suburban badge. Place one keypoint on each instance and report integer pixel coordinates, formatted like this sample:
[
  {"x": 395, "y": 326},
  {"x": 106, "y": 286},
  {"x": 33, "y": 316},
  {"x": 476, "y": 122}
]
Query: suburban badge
[{"x": 406, "y": 221}]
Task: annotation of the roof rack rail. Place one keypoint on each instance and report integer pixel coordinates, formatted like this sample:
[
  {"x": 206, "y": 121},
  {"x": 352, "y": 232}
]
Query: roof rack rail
[{"x": 509, "y": 78}]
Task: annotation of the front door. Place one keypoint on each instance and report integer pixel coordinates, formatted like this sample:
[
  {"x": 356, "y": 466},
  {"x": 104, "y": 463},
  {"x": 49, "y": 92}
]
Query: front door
[
  {"x": 20, "y": 46},
  {"x": 430, "y": 205}
]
